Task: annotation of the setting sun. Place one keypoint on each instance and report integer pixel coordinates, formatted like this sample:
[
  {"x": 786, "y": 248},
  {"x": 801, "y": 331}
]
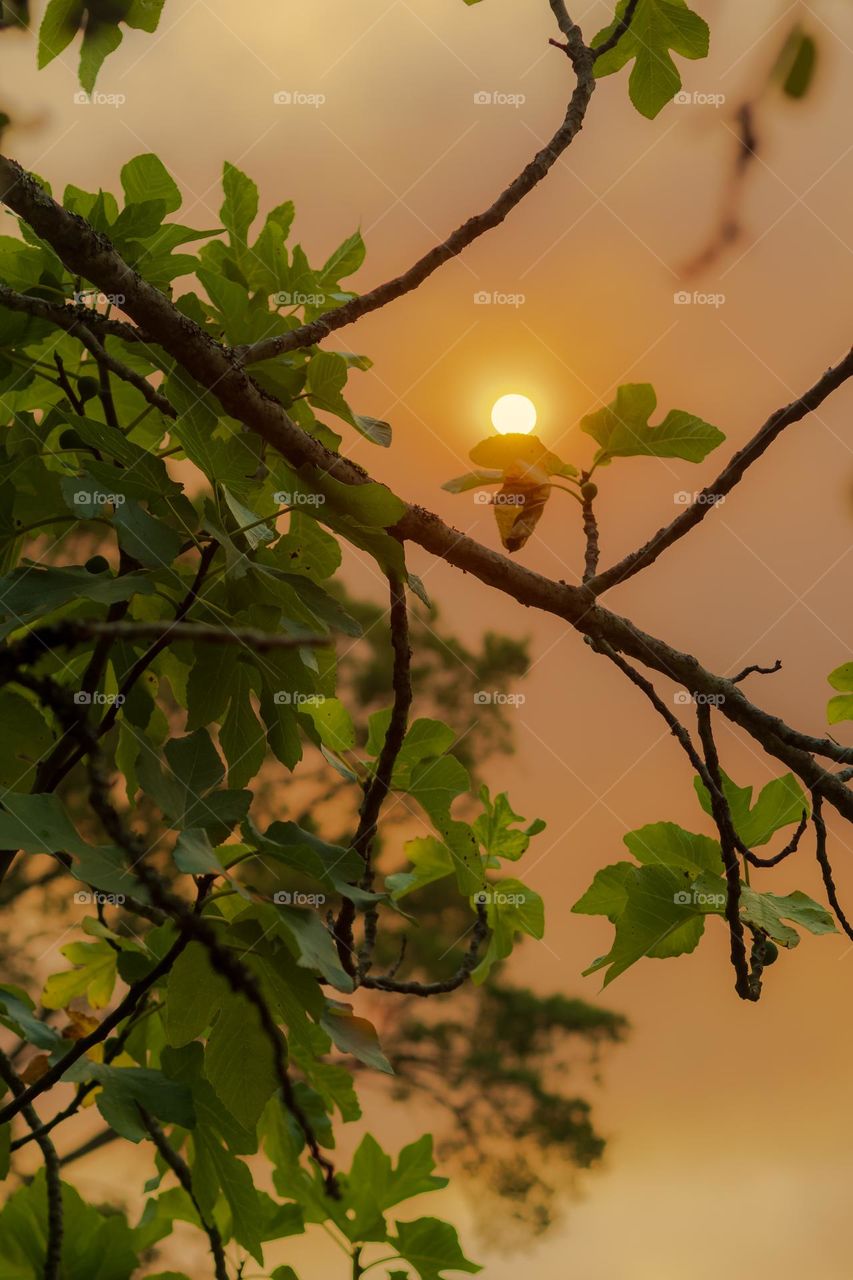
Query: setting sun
[{"x": 513, "y": 414}]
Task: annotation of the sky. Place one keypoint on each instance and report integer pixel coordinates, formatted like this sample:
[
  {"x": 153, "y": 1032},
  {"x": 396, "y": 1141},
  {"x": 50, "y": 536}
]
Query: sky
[{"x": 729, "y": 1125}]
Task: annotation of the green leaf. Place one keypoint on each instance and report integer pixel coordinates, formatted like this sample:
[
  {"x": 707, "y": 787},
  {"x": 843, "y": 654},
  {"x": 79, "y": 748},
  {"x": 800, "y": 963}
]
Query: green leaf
[
  {"x": 431, "y": 1247},
  {"x": 26, "y": 740},
  {"x": 314, "y": 948},
  {"x": 125, "y": 1089},
  {"x": 242, "y": 737},
  {"x": 374, "y": 1184},
  {"x": 346, "y": 259},
  {"x": 431, "y": 860},
  {"x": 495, "y": 829},
  {"x": 356, "y": 1036},
  {"x": 332, "y": 721},
  {"x": 780, "y": 803},
  {"x": 186, "y": 791},
  {"x": 147, "y": 178},
  {"x": 59, "y": 26},
  {"x": 95, "y": 1246},
  {"x": 667, "y": 844},
  {"x": 239, "y": 1061},
  {"x": 473, "y": 480},
  {"x": 654, "y": 910},
  {"x": 93, "y": 976},
  {"x": 36, "y": 590},
  {"x": 658, "y": 26},
  {"x": 511, "y": 909},
  {"x": 622, "y": 429},
  {"x": 841, "y": 707},
  {"x": 194, "y": 993},
  {"x": 240, "y": 206},
  {"x": 327, "y": 375},
  {"x": 518, "y": 455}
]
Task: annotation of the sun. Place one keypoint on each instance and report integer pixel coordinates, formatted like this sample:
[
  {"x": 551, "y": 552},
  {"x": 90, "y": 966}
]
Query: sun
[{"x": 513, "y": 414}]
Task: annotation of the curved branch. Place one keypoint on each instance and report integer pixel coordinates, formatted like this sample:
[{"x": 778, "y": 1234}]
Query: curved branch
[
  {"x": 181, "y": 1171},
  {"x": 824, "y": 863},
  {"x": 93, "y": 257},
  {"x": 445, "y": 985},
  {"x": 306, "y": 335},
  {"x": 731, "y": 475},
  {"x": 53, "y": 1181},
  {"x": 80, "y": 326}
]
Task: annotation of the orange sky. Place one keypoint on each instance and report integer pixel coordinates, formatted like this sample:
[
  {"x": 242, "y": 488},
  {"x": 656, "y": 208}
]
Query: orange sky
[{"x": 730, "y": 1125}]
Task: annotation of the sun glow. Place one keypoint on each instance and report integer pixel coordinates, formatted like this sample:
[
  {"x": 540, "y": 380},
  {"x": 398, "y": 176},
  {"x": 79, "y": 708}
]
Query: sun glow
[{"x": 513, "y": 414}]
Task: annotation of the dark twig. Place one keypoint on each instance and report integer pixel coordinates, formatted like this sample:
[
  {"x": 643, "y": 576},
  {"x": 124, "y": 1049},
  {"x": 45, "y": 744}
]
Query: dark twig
[
  {"x": 65, "y": 383},
  {"x": 197, "y": 928},
  {"x": 824, "y": 863},
  {"x": 81, "y": 1047},
  {"x": 446, "y": 985},
  {"x": 307, "y": 334},
  {"x": 748, "y": 986},
  {"x": 618, "y": 31},
  {"x": 590, "y": 529},
  {"x": 757, "y": 671},
  {"x": 53, "y": 1181},
  {"x": 181, "y": 1171},
  {"x": 732, "y": 473},
  {"x": 791, "y": 847},
  {"x": 378, "y": 787}
]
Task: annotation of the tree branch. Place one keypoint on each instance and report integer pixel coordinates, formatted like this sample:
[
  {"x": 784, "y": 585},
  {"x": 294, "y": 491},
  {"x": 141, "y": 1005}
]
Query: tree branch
[
  {"x": 181, "y": 1171},
  {"x": 306, "y": 335},
  {"x": 731, "y": 475},
  {"x": 53, "y": 1182}
]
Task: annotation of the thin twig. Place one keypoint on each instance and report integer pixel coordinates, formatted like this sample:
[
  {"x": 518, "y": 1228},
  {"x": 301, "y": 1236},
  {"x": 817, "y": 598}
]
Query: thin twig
[
  {"x": 824, "y": 863},
  {"x": 181, "y": 1171},
  {"x": 53, "y": 1181}
]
